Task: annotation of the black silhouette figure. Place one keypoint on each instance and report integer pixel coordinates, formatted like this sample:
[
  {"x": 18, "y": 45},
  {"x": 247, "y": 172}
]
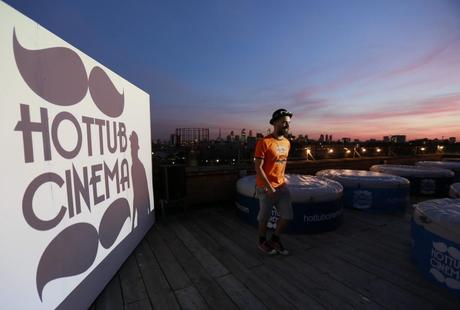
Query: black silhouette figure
[{"x": 141, "y": 201}]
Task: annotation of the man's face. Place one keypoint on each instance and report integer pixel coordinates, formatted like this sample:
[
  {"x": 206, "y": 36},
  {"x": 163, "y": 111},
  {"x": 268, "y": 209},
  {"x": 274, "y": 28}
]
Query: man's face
[{"x": 282, "y": 126}]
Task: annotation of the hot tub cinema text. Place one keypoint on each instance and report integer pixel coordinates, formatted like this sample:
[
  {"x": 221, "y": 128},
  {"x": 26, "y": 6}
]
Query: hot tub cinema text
[
  {"x": 448, "y": 265},
  {"x": 94, "y": 137}
]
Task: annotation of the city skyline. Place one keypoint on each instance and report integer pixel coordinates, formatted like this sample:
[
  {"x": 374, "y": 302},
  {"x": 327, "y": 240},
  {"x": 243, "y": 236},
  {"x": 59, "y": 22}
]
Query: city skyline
[
  {"x": 238, "y": 133},
  {"x": 351, "y": 69}
]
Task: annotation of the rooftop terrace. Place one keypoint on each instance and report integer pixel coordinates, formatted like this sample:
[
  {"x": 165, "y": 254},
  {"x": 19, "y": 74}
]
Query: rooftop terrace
[{"x": 208, "y": 259}]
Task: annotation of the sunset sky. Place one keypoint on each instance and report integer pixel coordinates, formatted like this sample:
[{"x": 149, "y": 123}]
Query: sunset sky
[{"x": 357, "y": 69}]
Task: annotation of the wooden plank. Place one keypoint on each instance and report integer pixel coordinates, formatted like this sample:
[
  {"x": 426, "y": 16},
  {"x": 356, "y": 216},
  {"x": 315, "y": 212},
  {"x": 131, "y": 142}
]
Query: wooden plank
[
  {"x": 190, "y": 299},
  {"x": 243, "y": 298},
  {"x": 207, "y": 237},
  {"x": 231, "y": 246},
  {"x": 173, "y": 271},
  {"x": 375, "y": 244},
  {"x": 324, "y": 295},
  {"x": 131, "y": 282},
  {"x": 221, "y": 223},
  {"x": 374, "y": 219},
  {"x": 276, "y": 280},
  {"x": 326, "y": 290},
  {"x": 392, "y": 265},
  {"x": 158, "y": 289},
  {"x": 296, "y": 295},
  {"x": 411, "y": 281},
  {"x": 345, "y": 238},
  {"x": 210, "y": 290},
  {"x": 371, "y": 286},
  {"x": 142, "y": 304},
  {"x": 207, "y": 260},
  {"x": 110, "y": 298},
  {"x": 259, "y": 288},
  {"x": 363, "y": 265}
]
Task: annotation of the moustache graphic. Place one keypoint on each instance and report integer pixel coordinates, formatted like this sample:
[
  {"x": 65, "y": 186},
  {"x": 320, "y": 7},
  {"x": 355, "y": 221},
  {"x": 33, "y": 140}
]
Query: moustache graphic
[
  {"x": 70, "y": 253},
  {"x": 58, "y": 75},
  {"x": 112, "y": 221}
]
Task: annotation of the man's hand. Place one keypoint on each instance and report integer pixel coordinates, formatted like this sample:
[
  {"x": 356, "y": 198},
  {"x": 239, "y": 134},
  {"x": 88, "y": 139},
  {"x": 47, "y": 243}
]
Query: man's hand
[{"x": 270, "y": 191}]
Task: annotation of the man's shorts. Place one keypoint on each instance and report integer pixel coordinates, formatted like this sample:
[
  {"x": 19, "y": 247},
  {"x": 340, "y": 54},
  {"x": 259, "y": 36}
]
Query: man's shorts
[{"x": 281, "y": 200}]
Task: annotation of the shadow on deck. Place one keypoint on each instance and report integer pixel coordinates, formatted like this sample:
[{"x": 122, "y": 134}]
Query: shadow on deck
[{"x": 208, "y": 259}]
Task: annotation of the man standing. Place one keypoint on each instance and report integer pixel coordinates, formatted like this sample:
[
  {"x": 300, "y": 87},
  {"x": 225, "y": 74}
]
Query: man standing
[{"x": 270, "y": 162}]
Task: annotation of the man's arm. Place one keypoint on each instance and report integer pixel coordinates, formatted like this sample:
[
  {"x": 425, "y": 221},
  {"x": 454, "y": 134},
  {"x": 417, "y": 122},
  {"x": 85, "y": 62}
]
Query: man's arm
[{"x": 259, "y": 162}]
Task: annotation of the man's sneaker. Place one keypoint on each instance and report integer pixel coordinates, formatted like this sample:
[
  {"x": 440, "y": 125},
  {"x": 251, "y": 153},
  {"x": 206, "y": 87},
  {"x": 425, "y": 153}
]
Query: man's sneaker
[
  {"x": 267, "y": 248},
  {"x": 278, "y": 247}
]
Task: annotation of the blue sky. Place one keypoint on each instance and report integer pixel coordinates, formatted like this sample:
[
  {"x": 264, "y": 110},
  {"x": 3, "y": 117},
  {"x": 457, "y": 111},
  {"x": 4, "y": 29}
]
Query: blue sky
[{"x": 348, "y": 68}]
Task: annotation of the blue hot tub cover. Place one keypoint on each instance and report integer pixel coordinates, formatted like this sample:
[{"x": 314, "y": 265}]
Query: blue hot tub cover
[
  {"x": 454, "y": 191},
  {"x": 413, "y": 171},
  {"x": 451, "y": 165},
  {"x": 369, "y": 179},
  {"x": 316, "y": 203},
  {"x": 451, "y": 159},
  {"x": 302, "y": 188},
  {"x": 440, "y": 216},
  {"x": 435, "y": 234}
]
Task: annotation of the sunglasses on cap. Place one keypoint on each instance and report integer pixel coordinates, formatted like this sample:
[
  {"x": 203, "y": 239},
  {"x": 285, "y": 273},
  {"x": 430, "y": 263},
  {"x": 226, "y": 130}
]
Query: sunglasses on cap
[{"x": 278, "y": 114}]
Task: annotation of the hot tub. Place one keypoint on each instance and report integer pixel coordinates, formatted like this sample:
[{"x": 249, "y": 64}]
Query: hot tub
[
  {"x": 371, "y": 191},
  {"x": 451, "y": 159},
  {"x": 454, "y": 191},
  {"x": 423, "y": 180},
  {"x": 435, "y": 234},
  {"x": 451, "y": 165},
  {"x": 316, "y": 203}
]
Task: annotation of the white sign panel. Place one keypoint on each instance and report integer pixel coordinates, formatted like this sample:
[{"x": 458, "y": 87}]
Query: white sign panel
[{"x": 76, "y": 183}]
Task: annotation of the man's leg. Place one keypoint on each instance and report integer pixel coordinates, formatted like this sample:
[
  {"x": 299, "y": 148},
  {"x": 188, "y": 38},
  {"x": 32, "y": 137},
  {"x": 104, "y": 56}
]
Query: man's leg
[
  {"x": 265, "y": 206},
  {"x": 284, "y": 207},
  {"x": 263, "y": 228},
  {"x": 281, "y": 226}
]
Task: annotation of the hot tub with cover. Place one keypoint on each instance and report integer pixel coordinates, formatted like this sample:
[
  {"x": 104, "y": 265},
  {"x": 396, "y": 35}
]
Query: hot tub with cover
[
  {"x": 371, "y": 191},
  {"x": 423, "y": 180},
  {"x": 316, "y": 203},
  {"x": 435, "y": 234}
]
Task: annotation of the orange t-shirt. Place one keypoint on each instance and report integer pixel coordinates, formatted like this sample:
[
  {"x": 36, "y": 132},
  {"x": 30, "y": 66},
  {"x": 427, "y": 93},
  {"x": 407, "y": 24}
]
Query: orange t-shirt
[{"x": 274, "y": 152}]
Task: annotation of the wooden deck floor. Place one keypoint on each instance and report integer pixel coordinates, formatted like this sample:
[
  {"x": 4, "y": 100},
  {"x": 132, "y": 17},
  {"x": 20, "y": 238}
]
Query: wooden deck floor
[{"x": 208, "y": 259}]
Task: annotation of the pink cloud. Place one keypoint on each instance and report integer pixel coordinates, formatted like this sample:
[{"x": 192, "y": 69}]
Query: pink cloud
[
  {"x": 421, "y": 61},
  {"x": 427, "y": 108}
]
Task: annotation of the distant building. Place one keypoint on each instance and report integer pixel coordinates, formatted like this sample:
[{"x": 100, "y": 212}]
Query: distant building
[
  {"x": 452, "y": 140},
  {"x": 251, "y": 143},
  {"x": 398, "y": 139},
  {"x": 321, "y": 138},
  {"x": 346, "y": 140},
  {"x": 243, "y": 134},
  {"x": 188, "y": 135},
  {"x": 386, "y": 139}
]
